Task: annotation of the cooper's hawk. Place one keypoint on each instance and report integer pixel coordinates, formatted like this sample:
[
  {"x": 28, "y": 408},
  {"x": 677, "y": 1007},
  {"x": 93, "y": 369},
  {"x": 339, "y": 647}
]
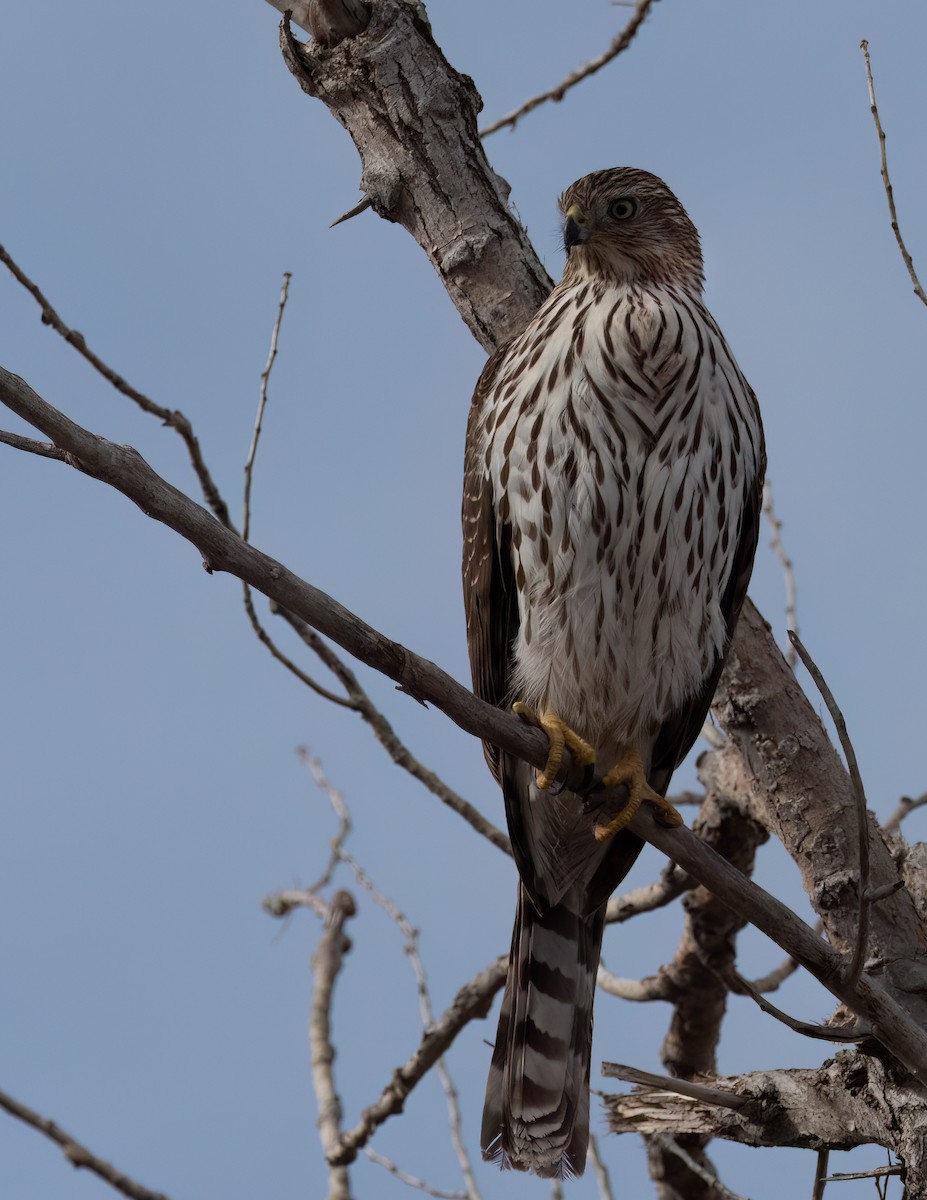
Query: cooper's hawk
[{"x": 614, "y": 467}]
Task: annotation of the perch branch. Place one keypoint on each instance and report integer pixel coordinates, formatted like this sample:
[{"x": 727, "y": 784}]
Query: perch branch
[{"x": 124, "y": 469}]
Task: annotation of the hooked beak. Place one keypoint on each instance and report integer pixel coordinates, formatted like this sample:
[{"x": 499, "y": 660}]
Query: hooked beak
[{"x": 576, "y": 227}]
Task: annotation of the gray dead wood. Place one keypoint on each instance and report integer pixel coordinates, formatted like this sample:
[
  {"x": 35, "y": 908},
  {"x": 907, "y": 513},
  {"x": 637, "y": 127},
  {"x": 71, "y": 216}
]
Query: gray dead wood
[{"x": 851, "y": 1100}]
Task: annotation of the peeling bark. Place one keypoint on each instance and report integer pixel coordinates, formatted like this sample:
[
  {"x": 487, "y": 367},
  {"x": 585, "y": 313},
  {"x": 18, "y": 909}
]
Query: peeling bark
[
  {"x": 802, "y": 794},
  {"x": 413, "y": 120},
  {"x": 851, "y": 1100}
]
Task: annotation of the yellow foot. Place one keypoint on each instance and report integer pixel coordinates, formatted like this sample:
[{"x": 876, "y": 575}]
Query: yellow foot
[
  {"x": 629, "y": 771},
  {"x": 560, "y": 736}
]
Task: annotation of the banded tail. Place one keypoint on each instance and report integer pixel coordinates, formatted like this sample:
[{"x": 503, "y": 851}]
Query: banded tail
[{"x": 536, "y": 1115}]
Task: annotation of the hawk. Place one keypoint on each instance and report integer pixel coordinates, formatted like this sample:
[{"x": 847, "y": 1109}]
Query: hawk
[{"x": 612, "y": 488}]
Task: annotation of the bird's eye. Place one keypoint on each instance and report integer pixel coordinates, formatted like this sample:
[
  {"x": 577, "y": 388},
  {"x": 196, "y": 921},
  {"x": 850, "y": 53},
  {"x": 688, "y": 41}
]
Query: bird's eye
[{"x": 622, "y": 208}]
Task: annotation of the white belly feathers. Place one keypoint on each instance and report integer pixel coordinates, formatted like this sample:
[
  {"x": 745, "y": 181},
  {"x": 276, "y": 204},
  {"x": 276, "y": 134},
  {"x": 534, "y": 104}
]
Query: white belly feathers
[{"x": 623, "y": 490}]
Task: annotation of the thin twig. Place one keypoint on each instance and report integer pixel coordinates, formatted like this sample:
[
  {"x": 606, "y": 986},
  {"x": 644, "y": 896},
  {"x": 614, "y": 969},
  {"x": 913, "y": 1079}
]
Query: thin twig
[
  {"x": 776, "y": 978},
  {"x": 262, "y": 404},
  {"x": 875, "y": 1173},
  {"x": 282, "y": 903},
  {"x": 260, "y": 632},
  {"x": 31, "y": 446},
  {"x": 669, "y": 887},
  {"x": 862, "y": 817},
  {"x": 600, "y": 1170},
  {"x": 639, "y": 991},
  {"x": 411, "y": 935},
  {"x": 857, "y": 1032},
  {"x": 556, "y": 1190},
  {"x": 171, "y": 417},
  {"x": 906, "y": 806},
  {"x": 889, "y": 195},
  {"x": 788, "y": 569},
  {"x": 76, "y": 1154},
  {"x": 681, "y": 1087},
  {"x": 472, "y": 1000},
  {"x": 266, "y": 640},
  {"x": 410, "y": 1180},
  {"x": 387, "y": 737},
  {"x": 619, "y": 44},
  {"x": 713, "y": 1185},
  {"x": 326, "y": 963},
  {"x": 820, "y": 1175},
  {"x": 340, "y": 809}
]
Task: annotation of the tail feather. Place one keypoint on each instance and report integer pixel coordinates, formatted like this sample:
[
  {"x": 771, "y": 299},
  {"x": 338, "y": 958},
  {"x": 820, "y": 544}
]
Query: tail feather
[{"x": 536, "y": 1116}]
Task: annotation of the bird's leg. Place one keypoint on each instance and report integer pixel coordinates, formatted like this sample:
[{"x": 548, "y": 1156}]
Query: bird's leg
[
  {"x": 629, "y": 771},
  {"x": 561, "y": 737}
]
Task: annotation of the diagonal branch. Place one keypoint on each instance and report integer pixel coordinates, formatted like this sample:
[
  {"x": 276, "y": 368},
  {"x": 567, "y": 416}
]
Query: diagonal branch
[
  {"x": 171, "y": 417},
  {"x": 618, "y": 45},
  {"x": 383, "y": 731},
  {"x": 76, "y": 1154},
  {"x": 472, "y": 1001},
  {"x": 123, "y": 468}
]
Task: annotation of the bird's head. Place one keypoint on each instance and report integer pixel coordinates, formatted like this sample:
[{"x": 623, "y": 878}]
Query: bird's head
[{"x": 626, "y": 226}]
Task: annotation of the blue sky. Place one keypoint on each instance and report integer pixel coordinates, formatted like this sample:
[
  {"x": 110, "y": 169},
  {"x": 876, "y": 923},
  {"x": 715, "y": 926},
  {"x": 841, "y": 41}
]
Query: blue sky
[{"x": 162, "y": 171}]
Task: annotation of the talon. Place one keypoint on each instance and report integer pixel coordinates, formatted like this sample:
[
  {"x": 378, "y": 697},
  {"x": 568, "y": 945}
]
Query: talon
[
  {"x": 629, "y": 771},
  {"x": 560, "y": 736}
]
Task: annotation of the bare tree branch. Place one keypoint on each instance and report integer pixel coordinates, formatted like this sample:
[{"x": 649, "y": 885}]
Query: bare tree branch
[
  {"x": 638, "y": 991},
  {"x": 76, "y": 1154},
  {"x": 694, "y": 1173},
  {"x": 262, "y": 405},
  {"x": 680, "y": 1087},
  {"x": 326, "y": 963},
  {"x": 851, "y": 1100},
  {"x": 411, "y": 935},
  {"x": 600, "y": 1170},
  {"x": 124, "y": 469},
  {"x": 779, "y": 754},
  {"x": 30, "y": 446},
  {"x": 339, "y": 808},
  {"x": 856, "y": 1032},
  {"x": 820, "y": 1175},
  {"x": 772, "y": 981},
  {"x": 669, "y": 887},
  {"x": 171, "y": 417},
  {"x": 788, "y": 569},
  {"x": 906, "y": 806},
  {"x": 889, "y": 194},
  {"x": 385, "y": 734},
  {"x": 260, "y": 632},
  {"x": 618, "y": 45},
  {"x": 410, "y": 1180},
  {"x": 862, "y": 815},
  {"x": 472, "y": 1001},
  {"x": 413, "y": 120},
  {"x": 875, "y": 1173}
]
